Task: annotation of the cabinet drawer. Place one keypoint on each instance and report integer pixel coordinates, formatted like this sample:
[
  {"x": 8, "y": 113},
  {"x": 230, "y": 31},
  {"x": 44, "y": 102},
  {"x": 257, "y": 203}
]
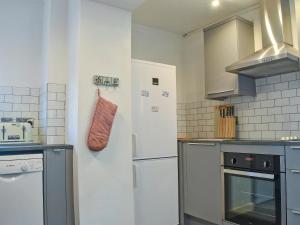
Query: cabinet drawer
[
  {"x": 293, "y": 217},
  {"x": 293, "y": 189},
  {"x": 293, "y": 157}
]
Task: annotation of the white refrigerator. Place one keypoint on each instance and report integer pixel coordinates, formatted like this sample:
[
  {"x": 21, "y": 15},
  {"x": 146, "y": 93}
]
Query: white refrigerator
[{"x": 155, "y": 167}]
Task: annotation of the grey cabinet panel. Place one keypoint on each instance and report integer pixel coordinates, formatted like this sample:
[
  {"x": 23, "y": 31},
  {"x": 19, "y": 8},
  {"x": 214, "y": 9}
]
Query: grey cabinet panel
[
  {"x": 224, "y": 44},
  {"x": 293, "y": 157},
  {"x": 58, "y": 187},
  {"x": 293, "y": 217},
  {"x": 203, "y": 181},
  {"x": 293, "y": 189}
]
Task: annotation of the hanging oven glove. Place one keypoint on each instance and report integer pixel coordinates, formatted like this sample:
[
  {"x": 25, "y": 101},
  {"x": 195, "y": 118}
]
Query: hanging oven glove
[{"x": 101, "y": 125}]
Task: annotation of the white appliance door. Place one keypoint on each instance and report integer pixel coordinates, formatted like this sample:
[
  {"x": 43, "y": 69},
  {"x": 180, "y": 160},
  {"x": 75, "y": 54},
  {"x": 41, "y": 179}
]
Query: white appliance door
[
  {"x": 154, "y": 110},
  {"x": 21, "y": 199},
  {"x": 156, "y": 192}
]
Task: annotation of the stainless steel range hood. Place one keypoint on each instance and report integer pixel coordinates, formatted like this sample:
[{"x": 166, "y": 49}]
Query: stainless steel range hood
[{"x": 278, "y": 55}]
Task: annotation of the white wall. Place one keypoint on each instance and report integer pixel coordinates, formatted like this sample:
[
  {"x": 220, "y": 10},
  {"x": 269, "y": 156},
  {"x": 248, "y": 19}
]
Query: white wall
[
  {"x": 105, "y": 178},
  {"x": 160, "y": 46},
  {"x": 55, "y": 29},
  {"x": 193, "y": 65},
  {"x": 21, "y": 28}
]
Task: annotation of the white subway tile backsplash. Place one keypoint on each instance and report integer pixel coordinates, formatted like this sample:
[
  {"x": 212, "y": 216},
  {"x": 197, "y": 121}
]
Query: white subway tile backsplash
[
  {"x": 294, "y": 84},
  {"x": 6, "y": 107},
  {"x": 35, "y": 92},
  {"x": 261, "y": 112},
  {"x": 273, "y": 113},
  {"x": 13, "y": 99},
  {"x": 21, "y": 107},
  {"x": 275, "y": 126},
  {"x": 56, "y": 122},
  {"x": 30, "y": 99},
  {"x": 56, "y": 105},
  {"x": 274, "y": 95},
  {"x": 17, "y": 102},
  {"x": 56, "y": 88},
  {"x": 6, "y": 90},
  {"x": 289, "y": 93},
  {"x": 21, "y": 91},
  {"x": 273, "y": 80},
  {"x": 288, "y": 77},
  {"x": 61, "y": 97}
]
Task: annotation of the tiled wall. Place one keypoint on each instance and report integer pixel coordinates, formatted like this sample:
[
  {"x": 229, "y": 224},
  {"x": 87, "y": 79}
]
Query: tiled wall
[
  {"x": 196, "y": 119},
  {"x": 20, "y": 102},
  {"x": 273, "y": 113},
  {"x": 53, "y": 98}
]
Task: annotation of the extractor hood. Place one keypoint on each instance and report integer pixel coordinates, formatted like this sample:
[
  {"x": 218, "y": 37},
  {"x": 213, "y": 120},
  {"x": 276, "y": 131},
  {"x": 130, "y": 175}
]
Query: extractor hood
[{"x": 278, "y": 55}]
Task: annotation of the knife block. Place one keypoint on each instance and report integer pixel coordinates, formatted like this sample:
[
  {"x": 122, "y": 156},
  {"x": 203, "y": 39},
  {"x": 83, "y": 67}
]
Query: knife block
[{"x": 225, "y": 122}]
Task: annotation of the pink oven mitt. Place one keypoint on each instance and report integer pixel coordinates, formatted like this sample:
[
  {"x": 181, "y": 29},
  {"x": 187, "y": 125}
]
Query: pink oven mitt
[{"x": 101, "y": 125}]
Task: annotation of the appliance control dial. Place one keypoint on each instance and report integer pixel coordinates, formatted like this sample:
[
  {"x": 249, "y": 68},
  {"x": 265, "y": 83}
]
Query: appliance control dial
[
  {"x": 233, "y": 161},
  {"x": 24, "y": 168},
  {"x": 267, "y": 164}
]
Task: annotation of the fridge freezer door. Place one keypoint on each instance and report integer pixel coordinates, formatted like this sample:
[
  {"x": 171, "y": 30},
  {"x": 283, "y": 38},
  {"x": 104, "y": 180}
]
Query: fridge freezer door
[
  {"x": 156, "y": 192},
  {"x": 154, "y": 110}
]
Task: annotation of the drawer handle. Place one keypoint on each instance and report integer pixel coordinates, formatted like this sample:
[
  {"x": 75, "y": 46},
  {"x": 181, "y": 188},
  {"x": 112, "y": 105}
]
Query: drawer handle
[
  {"x": 295, "y": 171},
  {"x": 296, "y": 212},
  {"x": 58, "y": 150},
  {"x": 295, "y": 147},
  {"x": 203, "y": 144}
]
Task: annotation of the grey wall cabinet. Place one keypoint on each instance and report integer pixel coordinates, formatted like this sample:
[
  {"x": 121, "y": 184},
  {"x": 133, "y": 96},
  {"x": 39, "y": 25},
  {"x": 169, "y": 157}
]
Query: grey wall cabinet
[
  {"x": 293, "y": 184},
  {"x": 58, "y": 187},
  {"x": 224, "y": 44},
  {"x": 202, "y": 181}
]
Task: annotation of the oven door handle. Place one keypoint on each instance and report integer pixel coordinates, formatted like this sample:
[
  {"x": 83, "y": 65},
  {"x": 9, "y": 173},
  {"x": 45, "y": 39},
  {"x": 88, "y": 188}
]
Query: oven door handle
[{"x": 250, "y": 174}]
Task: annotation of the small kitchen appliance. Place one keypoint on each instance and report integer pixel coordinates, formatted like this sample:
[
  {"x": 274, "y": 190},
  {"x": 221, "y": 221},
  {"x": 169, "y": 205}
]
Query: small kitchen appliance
[
  {"x": 16, "y": 132},
  {"x": 21, "y": 189},
  {"x": 254, "y": 190}
]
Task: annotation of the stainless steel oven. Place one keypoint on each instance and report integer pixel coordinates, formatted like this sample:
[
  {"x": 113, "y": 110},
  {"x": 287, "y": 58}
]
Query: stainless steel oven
[{"x": 254, "y": 189}]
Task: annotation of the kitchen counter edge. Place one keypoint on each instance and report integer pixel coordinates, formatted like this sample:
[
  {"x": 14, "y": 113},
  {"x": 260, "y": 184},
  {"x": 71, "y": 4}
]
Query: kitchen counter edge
[
  {"x": 33, "y": 147},
  {"x": 242, "y": 142}
]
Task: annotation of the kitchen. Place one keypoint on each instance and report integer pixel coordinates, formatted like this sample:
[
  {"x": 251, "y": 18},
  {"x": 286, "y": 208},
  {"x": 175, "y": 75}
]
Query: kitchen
[{"x": 52, "y": 49}]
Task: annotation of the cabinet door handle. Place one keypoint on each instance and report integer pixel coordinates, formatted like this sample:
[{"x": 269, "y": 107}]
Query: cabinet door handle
[
  {"x": 134, "y": 176},
  {"x": 295, "y": 171},
  {"x": 295, "y": 147},
  {"x": 203, "y": 144},
  {"x": 296, "y": 212},
  {"x": 58, "y": 150}
]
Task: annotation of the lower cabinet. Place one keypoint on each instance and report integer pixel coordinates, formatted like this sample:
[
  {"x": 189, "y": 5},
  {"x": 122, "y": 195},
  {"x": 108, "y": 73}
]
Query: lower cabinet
[
  {"x": 202, "y": 182},
  {"x": 58, "y": 187},
  {"x": 293, "y": 184}
]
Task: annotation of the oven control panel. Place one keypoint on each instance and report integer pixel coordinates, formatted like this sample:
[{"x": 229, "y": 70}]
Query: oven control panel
[{"x": 252, "y": 161}]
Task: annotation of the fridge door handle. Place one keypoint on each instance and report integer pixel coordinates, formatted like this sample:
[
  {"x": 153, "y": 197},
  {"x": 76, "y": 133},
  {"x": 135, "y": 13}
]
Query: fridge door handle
[
  {"x": 134, "y": 176},
  {"x": 133, "y": 145}
]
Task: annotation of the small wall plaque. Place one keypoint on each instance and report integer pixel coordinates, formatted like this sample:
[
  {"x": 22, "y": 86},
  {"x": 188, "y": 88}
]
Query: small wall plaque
[{"x": 106, "y": 81}]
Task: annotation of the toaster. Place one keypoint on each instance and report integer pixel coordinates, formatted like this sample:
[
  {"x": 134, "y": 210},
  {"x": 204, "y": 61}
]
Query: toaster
[{"x": 16, "y": 132}]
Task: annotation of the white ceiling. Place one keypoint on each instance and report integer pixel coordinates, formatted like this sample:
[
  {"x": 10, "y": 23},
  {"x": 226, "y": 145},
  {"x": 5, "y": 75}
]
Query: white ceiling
[
  {"x": 123, "y": 4},
  {"x": 182, "y": 16}
]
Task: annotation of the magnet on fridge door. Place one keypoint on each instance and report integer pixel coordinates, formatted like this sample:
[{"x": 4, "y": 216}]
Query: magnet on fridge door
[
  {"x": 145, "y": 93},
  {"x": 155, "y": 109},
  {"x": 165, "y": 94}
]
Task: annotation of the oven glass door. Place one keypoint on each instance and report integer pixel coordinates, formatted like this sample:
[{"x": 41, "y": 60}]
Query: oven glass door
[{"x": 252, "y": 198}]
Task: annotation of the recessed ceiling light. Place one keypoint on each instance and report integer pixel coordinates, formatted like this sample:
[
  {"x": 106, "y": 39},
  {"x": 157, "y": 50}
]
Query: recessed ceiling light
[{"x": 215, "y": 3}]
